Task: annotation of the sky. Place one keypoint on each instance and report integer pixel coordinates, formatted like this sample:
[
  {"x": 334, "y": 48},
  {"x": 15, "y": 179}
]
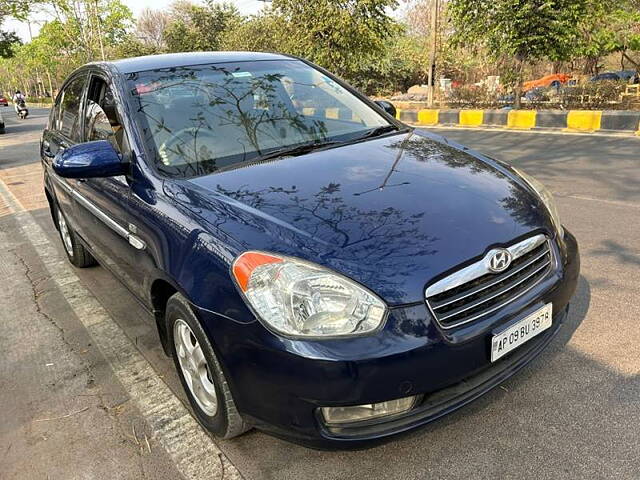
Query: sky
[{"x": 246, "y": 7}]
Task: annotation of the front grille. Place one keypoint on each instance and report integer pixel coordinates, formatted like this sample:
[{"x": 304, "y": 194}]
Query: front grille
[{"x": 473, "y": 292}]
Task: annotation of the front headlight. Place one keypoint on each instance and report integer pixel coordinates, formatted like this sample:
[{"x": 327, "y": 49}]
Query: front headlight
[
  {"x": 547, "y": 198},
  {"x": 301, "y": 299}
]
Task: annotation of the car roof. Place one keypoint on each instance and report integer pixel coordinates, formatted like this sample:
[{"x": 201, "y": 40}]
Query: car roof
[{"x": 168, "y": 60}]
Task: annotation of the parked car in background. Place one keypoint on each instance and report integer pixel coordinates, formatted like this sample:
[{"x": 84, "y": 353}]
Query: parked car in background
[
  {"x": 555, "y": 80},
  {"x": 619, "y": 76},
  {"x": 3, "y": 101},
  {"x": 605, "y": 76},
  {"x": 316, "y": 268},
  {"x": 538, "y": 94},
  {"x": 627, "y": 75}
]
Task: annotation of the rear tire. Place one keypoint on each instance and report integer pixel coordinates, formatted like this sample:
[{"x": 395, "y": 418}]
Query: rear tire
[
  {"x": 77, "y": 254},
  {"x": 200, "y": 371}
]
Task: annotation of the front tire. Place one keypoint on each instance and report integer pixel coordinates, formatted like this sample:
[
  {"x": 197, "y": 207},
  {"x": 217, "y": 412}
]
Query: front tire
[
  {"x": 200, "y": 371},
  {"x": 77, "y": 254}
]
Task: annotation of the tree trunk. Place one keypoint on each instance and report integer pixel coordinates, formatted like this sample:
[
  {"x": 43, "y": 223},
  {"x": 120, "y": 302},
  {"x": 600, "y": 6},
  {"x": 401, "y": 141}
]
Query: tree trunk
[
  {"x": 50, "y": 84},
  {"x": 631, "y": 60},
  {"x": 591, "y": 65},
  {"x": 517, "y": 88}
]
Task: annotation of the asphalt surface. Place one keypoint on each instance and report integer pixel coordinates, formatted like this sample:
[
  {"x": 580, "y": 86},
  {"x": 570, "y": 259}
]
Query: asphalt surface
[{"x": 573, "y": 413}]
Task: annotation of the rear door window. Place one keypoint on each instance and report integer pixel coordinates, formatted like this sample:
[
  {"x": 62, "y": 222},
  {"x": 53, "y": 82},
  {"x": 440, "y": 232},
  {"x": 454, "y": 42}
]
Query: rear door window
[{"x": 54, "y": 116}]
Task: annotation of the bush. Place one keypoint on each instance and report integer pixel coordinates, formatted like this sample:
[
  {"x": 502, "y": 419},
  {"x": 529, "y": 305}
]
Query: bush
[
  {"x": 466, "y": 96},
  {"x": 593, "y": 95},
  {"x": 47, "y": 100}
]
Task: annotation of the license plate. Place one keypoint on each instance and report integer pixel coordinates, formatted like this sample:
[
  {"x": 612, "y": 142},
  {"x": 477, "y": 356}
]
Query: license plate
[{"x": 521, "y": 332}]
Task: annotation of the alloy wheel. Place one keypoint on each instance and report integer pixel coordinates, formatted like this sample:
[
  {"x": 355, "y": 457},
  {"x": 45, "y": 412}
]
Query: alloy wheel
[
  {"x": 195, "y": 368},
  {"x": 65, "y": 234}
]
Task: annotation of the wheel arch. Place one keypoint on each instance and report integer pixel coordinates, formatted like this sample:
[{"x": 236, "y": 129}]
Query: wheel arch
[
  {"x": 160, "y": 291},
  {"x": 51, "y": 201}
]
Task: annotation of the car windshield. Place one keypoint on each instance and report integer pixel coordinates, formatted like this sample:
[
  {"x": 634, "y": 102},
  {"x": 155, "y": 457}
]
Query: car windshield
[{"x": 199, "y": 119}]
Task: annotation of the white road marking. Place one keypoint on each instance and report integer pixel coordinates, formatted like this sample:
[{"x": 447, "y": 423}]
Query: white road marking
[
  {"x": 601, "y": 200},
  {"x": 194, "y": 453}
]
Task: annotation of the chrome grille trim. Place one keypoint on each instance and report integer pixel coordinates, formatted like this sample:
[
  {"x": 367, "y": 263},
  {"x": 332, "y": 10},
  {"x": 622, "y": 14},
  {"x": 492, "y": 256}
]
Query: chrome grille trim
[
  {"x": 501, "y": 292},
  {"x": 485, "y": 287},
  {"x": 491, "y": 284},
  {"x": 481, "y": 268}
]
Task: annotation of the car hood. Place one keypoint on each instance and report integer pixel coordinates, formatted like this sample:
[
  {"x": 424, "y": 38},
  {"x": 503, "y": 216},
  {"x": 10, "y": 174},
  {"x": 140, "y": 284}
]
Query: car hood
[{"x": 393, "y": 213}]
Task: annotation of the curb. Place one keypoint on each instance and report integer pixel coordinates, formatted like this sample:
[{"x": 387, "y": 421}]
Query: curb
[
  {"x": 571, "y": 121},
  {"x": 586, "y": 121}
]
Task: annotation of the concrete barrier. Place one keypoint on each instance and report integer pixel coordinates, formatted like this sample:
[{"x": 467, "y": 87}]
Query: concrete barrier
[
  {"x": 449, "y": 117},
  {"x": 551, "y": 119},
  {"x": 471, "y": 118},
  {"x": 521, "y": 119},
  {"x": 584, "y": 120},
  {"x": 495, "y": 118},
  {"x": 613, "y": 121},
  {"x": 620, "y": 121},
  {"x": 428, "y": 117}
]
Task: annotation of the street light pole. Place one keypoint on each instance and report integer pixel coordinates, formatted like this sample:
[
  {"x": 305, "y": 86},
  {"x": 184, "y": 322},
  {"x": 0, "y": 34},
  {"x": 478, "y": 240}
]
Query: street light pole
[{"x": 432, "y": 55}]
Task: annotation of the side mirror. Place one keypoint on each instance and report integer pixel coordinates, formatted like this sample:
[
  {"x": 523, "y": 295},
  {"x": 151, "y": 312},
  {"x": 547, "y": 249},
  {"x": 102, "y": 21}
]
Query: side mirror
[
  {"x": 89, "y": 160},
  {"x": 387, "y": 107}
]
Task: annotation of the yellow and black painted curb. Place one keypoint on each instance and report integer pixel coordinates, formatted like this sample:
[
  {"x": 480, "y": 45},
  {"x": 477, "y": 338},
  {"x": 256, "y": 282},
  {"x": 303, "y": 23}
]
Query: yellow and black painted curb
[
  {"x": 614, "y": 121},
  {"x": 611, "y": 121}
]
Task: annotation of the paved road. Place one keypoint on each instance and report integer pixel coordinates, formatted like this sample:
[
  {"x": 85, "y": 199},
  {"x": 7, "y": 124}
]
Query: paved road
[{"x": 573, "y": 413}]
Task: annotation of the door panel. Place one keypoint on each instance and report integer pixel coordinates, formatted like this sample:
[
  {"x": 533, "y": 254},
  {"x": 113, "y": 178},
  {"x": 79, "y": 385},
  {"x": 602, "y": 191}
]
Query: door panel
[
  {"x": 102, "y": 220},
  {"x": 102, "y": 203},
  {"x": 52, "y": 144}
]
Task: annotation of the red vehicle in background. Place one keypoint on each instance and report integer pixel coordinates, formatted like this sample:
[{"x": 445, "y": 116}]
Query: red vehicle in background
[
  {"x": 3, "y": 101},
  {"x": 554, "y": 80}
]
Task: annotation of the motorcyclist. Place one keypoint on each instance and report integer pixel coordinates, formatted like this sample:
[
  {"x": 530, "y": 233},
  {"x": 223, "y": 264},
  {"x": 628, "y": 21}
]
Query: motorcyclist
[{"x": 18, "y": 98}]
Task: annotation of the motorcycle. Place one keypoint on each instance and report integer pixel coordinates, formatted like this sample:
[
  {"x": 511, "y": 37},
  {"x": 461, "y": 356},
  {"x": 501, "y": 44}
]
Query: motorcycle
[{"x": 22, "y": 110}]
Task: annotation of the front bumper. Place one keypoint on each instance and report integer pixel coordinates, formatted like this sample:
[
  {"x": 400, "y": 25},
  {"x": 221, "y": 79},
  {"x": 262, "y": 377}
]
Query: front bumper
[{"x": 279, "y": 384}]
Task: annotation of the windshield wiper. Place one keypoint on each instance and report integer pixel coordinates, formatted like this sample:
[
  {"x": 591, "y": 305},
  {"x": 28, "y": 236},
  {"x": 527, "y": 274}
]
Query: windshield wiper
[
  {"x": 376, "y": 132},
  {"x": 309, "y": 147},
  {"x": 297, "y": 150}
]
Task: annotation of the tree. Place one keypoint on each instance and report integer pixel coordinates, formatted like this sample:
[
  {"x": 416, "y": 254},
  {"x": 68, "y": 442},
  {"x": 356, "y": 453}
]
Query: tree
[
  {"x": 151, "y": 27},
  {"x": 9, "y": 41},
  {"x": 16, "y": 8},
  {"x": 82, "y": 31},
  {"x": 526, "y": 30},
  {"x": 260, "y": 33},
  {"x": 90, "y": 27},
  {"x": 610, "y": 28},
  {"x": 344, "y": 36},
  {"x": 200, "y": 28}
]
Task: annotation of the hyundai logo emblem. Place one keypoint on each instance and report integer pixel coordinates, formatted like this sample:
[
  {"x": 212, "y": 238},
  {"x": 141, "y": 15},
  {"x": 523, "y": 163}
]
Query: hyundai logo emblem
[{"x": 499, "y": 260}]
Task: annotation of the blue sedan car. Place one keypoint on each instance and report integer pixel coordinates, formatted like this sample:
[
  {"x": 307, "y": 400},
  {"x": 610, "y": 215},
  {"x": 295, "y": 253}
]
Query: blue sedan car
[{"x": 315, "y": 268}]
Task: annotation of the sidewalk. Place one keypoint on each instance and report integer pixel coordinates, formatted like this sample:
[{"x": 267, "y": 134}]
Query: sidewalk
[{"x": 67, "y": 413}]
